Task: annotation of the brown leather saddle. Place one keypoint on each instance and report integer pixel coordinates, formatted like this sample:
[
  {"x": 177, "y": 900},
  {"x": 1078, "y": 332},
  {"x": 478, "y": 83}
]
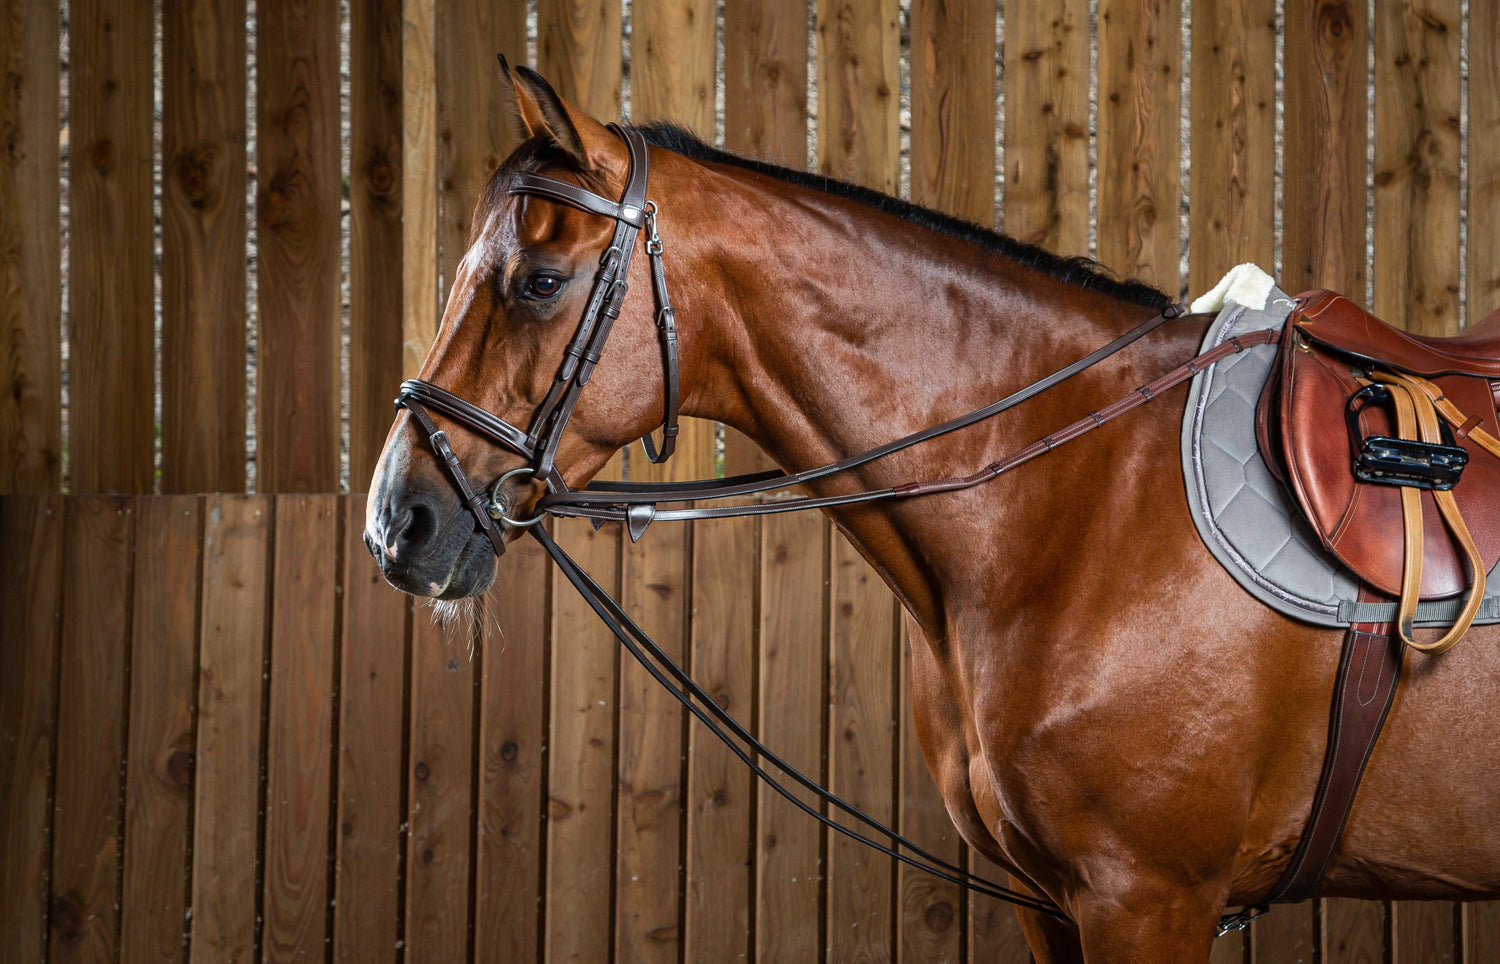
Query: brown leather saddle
[
  {"x": 1390, "y": 444},
  {"x": 1387, "y": 441}
]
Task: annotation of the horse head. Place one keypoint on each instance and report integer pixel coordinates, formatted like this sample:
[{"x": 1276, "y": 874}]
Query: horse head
[{"x": 544, "y": 271}]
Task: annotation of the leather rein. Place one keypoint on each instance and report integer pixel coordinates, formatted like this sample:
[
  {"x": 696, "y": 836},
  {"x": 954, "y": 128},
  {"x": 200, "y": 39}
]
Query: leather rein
[{"x": 637, "y": 504}]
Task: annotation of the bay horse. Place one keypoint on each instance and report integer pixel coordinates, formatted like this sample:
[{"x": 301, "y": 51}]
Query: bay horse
[{"x": 1108, "y": 716}]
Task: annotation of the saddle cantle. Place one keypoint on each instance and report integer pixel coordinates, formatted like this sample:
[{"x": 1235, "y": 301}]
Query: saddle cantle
[{"x": 1317, "y": 410}]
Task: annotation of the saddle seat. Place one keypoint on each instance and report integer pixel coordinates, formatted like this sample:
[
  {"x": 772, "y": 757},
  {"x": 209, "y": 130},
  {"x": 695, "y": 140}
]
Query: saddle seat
[{"x": 1311, "y": 426}]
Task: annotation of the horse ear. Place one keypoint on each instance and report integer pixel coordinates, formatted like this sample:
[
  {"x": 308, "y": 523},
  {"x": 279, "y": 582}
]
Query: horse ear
[{"x": 541, "y": 111}]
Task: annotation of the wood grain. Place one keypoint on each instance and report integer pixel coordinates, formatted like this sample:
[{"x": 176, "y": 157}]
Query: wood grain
[
  {"x": 1481, "y": 932},
  {"x": 994, "y": 930},
  {"x": 1323, "y": 209},
  {"x": 231, "y": 691},
  {"x": 953, "y": 107},
  {"x": 440, "y": 788},
  {"x": 421, "y": 294},
  {"x": 1288, "y": 935},
  {"x": 30, "y": 251},
  {"x": 790, "y": 718},
  {"x": 376, "y": 203},
  {"x": 1353, "y": 931},
  {"x": 1139, "y": 178},
  {"x": 1484, "y": 163},
  {"x": 1047, "y": 125},
  {"x": 765, "y": 80},
  {"x": 512, "y": 751},
  {"x": 579, "y": 50},
  {"x": 930, "y": 922},
  {"x": 372, "y": 677},
  {"x": 720, "y": 799},
  {"x": 581, "y": 747},
  {"x": 861, "y": 753},
  {"x": 159, "y": 779},
  {"x": 84, "y": 916},
  {"x": 1233, "y": 139},
  {"x": 1416, "y": 165},
  {"x": 30, "y": 610},
  {"x": 297, "y": 220},
  {"x": 648, "y": 830},
  {"x": 203, "y": 246},
  {"x": 110, "y": 364},
  {"x": 1423, "y": 931},
  {"x": 858, "y": 91},
  {"x": 299, "y": 726}
]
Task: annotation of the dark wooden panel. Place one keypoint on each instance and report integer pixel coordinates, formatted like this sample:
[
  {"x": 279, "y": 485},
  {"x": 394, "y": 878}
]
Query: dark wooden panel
[
  {"x": 297, "y": 217},
  {"x": 720, "y": 804},
  {"x": 111, "y": 432},
  {"x": 1233, "y": 138},
  {"x": 372, "y": 677},
  {"x": 231, "y": 688},
  {"x": 1323, "y": 207},
  {"x": 1353, "y": 931},
  {"x": 440, "y": 789},
  {"x": 30, "y": 611},
  {"x": 1047, "y": 81},
  {"x": 994, "y": 931},
  {"x": 159, "y": 781},
  {"x": 203, "y": 246},
  {"x": 930, "y": 924},
  {"x": 861, "y": 753},
  {"x": 790, "y": 719},
  {"x": 648, "y": 828},
  {"x": 1285, "y": 936},
  {"x": 580, "y": 754},
  {"x": 953, "y": 107},
  {"x": 512, "y": 748},
  {"x": 375, "y": 242},
  {"x": 1416, "y": 164},
  {"x": 30, "y": 252},
  {"x": 858, "y": 91},
  {"x": 1139, "y": 175},
  {"x": 1481, "y": 924},
  {"x": 85, "y": 902},
  {"x": 1484, "y": 161},
  {"x": 299, "y": 726},
  {"x": 1423, "y": 931}
]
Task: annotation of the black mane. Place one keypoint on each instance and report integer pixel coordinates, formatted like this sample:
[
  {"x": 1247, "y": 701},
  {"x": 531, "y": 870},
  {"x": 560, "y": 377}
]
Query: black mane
[{"x": 1080, "y": 271}]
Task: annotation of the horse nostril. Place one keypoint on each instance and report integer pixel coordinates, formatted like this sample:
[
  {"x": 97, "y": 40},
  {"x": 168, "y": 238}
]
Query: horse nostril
[{"x": 412, "y": 529}]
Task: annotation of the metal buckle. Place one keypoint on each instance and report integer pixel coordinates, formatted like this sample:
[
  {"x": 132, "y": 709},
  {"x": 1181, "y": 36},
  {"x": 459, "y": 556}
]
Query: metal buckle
[{"x": 1238, "y": 922}]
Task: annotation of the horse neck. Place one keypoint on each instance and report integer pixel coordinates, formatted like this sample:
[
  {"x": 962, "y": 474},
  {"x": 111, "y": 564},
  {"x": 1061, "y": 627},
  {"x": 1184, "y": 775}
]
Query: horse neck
[{"x": 843, "y": 328}]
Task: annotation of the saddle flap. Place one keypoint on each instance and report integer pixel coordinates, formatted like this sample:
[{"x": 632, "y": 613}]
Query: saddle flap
[{"x": 1307, "y": 423}]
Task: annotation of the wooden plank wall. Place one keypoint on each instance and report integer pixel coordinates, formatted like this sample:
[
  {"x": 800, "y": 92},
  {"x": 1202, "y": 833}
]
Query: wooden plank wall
[{"x": 332, "y": 768}]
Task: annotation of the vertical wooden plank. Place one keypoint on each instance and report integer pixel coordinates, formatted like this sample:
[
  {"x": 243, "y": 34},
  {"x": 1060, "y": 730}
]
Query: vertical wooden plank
[
  {"x": 512, "y": 749},
  {"x": 110, "y": 269},
  {"x": 719, "y": 805},
  {"x": 30, "y": 611},
  {"x": 1285, "y": 936},
  {"x": 1353, "y": 931},
  {"x": 953, "y": 107},
  {"x": 203, "y": 246},
  {"x": 372, "y": 677},
  {"x": 299, "y": 726},
  {"x": 765, "y": 80},
  {"x": 376, "y": 201},
  {"x": 1481, "y": 924},
  {"x": 1323, "y": 209},
  {"x": 1484, "y": 161},
  {"x": 1423, "y": 931},
  {"x": 440, "y": 788},
  {"x": 792, "y": 700},
  {"x": 994, "y": 929},
  {"x": 30, "y": 251},
  {"x": 650, "y": 759},
  {"x": 231, "y": 667},
  {"x": 1047, "y": 125},
  {"x": 1233, "y": 138},
  {"x": 579, "y": 52},
  {"x": 929, "y": 922},
  {"x": 1416, "y": 164},
  {"x": 1139, "y": 176},
  {"x": 858, "y": 86},
  {"x": 580, "y": 754},
  {"x": 861, "y": 753},
  {"x": 159, "y": 781},
  {"x": 421, "y": 303},
  {"x": 85, "y": 902},
  {"x": 297, "y": 213}
]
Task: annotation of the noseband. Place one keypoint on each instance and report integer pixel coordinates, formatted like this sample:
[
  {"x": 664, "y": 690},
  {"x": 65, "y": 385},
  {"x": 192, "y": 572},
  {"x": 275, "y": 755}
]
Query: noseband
[{"x": 538, "y": 443}]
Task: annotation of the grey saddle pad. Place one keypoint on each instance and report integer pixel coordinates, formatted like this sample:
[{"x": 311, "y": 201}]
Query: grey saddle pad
[{"x": 1248, "y": 521}]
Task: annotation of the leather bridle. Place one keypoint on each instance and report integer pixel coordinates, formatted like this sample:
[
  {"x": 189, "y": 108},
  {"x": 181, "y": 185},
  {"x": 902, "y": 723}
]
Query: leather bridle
[{"x": 636, "y": 504}]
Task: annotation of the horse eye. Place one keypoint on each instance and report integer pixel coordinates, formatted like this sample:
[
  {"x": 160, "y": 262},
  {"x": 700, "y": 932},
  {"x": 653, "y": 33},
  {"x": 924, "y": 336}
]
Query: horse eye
[{"x": 542, "y": 287}]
